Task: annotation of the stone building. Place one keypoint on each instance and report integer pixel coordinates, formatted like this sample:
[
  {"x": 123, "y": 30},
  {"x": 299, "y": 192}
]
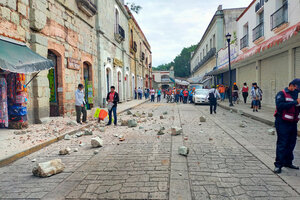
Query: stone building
[
  {"x": 268, "y": 47},
  {"x": 203, "y": 59},
  {"x": 63, "y": 31},
  {"x": 163, "y": 79},
  {"x": 113, "y": 52},
  {"x": 140, "y": 56}
]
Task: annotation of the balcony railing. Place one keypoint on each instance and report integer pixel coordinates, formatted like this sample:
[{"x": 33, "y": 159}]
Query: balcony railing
[
  {"x": 258, "y": 31},
  {"x": 259, "y": 5},
  {"x": 209, "y": 55},
  {"x": 87, "y": 6},
  {"x": 280, "y": 16},
  {"x": 244, "y": 42},
  {"x": 119, "y": 33},
  {"x": 142, "y": 56}
]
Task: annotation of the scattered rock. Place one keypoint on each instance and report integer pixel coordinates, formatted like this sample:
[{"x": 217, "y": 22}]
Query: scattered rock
[
  {"x": 79, "y": 134},
  {"x": 96, "y": 142},
  {"x": 129, "y": 112},
  {"x": 64, "y": 151},
  {"x": 132, "y": 123},
  {"x": 150, "y": 114},
  {"x": 96, "y": 152},
  {"x": 240, "y": 112},
  {"x": 180, "y": 174},
  {"x": 76, "y": 150},
  {"x": 82, "y": 144},
  {"x": 243, "y": 125},
  {"x": 185, "y": 138},
  {"x": 19, "y": 132},
  {"x": 102, "y": 129},
  {"x": 160, "y": 132},
  {"x": 124, "y": 122},
  {"x": 72, "y": 123},
  {"x": 116, "y": 135},
  {"x": 271, "y": 131},
  {"x": 49, "y": 168},
  {"x": 141, "y": 127},
  {"x": 202, "y": 119},
  {"x": 231, "y": 111},
  {"x": 176, "y": 131},
  {"x": 165, "y": 113},
  {"x": 184, "y": 151},
  {"x": 200, "y": 124},
  {"x": 67, "y": 137},
  {"x": 210, "y": 139},
  {"x": 88, "y": 132},
  {"x": 122, "y": 139},
  {"x": 33, "y": 160}
]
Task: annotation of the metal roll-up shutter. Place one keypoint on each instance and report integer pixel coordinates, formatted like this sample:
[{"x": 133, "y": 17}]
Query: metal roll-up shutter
[
  {"x": 297, "y": 62},
  {"x": 247, "y": 74}
]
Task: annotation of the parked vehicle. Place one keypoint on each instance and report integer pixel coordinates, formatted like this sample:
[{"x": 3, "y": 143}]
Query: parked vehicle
[
  {"x": 196, "y": 86},
  {"x": 200, "y": 96}
]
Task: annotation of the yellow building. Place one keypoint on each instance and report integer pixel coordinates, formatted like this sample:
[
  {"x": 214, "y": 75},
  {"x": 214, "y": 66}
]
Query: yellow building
[{"x": 140, "y": 56}]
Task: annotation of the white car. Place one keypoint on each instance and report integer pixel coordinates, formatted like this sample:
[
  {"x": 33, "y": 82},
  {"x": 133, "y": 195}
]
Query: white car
[{"x": 201, "y": 96}]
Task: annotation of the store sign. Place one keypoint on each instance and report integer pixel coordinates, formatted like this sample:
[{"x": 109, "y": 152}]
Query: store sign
[
  {"x": 223, "y": 55},
  {"x": 118, "y": 62},
  {"x": 73, "y": 64}
]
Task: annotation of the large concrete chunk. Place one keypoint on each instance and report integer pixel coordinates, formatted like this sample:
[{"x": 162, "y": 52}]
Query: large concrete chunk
[
  {"x": 132, "y": 123},
  {"x": 49, "y": 168},
  {"x": 88, "y": 132},
  {"x": 150, "y": 114},
  {"x": 202, "y": 119},
  {"x": 65, "y": 151},
  {"x": 176, "y": 131},
  {"x": 96, "y": 142},
  {"x": 183, "y": 150},
  {"x": 124, "y": 122}
]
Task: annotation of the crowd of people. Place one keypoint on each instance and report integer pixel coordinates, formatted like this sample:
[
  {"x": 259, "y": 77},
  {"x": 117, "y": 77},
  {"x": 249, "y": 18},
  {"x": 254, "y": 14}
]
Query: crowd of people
[{"x": 255, "y": 94}]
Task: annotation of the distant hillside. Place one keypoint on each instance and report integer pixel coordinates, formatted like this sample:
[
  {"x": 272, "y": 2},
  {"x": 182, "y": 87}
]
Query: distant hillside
[{"x": 181, "y": 63}]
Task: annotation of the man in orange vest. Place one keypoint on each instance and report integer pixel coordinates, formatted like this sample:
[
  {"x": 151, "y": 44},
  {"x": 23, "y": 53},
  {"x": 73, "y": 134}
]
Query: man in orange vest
[{"x": 185, "y": 95}]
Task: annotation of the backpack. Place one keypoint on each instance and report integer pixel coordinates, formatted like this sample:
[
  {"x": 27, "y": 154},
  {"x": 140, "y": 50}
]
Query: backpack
[{"x": 211, "y": 96}]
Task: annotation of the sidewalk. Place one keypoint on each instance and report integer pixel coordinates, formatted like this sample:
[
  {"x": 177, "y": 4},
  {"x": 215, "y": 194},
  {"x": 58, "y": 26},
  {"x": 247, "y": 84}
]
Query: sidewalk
[
  {"x": 265, "y": 115},
  {"x": 15, "y": 144}
]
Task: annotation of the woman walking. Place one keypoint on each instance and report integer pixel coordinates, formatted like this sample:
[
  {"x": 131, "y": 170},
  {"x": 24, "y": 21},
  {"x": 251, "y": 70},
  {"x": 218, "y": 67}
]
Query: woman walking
[
  {"x": 245, "y": 92},
  {"x": 158, "y": 95}
]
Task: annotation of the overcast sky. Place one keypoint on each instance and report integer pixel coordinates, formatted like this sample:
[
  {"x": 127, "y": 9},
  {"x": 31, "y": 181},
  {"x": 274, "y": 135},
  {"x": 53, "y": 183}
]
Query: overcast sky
[{"x": 170, "y": 25}]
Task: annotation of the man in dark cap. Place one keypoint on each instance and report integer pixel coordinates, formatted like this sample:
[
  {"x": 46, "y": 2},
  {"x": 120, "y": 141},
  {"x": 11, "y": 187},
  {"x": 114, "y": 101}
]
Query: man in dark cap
[{"x": 286, "y": 119}]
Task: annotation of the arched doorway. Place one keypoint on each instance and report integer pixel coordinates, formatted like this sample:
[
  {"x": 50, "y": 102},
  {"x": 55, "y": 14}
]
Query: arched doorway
[
  {"x": 146, "y": 81},
  {"x": 53, "y": 85},
  {"x": 88, "y": 84}
]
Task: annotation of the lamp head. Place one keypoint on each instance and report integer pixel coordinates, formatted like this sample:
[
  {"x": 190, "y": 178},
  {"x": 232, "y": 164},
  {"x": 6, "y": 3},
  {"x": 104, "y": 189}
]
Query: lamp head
[{"x": 228, "y": 37}]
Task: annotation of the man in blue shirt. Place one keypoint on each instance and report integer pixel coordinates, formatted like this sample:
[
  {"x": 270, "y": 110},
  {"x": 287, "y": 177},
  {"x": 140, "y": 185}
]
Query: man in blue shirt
[{"x": 80, "y": 104}]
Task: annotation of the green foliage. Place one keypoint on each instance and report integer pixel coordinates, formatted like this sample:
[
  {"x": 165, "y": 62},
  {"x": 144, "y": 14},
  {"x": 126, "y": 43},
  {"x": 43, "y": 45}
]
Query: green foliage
[
  {"x": 134, "y": 8},
  {"x": 181, "y": 63}
]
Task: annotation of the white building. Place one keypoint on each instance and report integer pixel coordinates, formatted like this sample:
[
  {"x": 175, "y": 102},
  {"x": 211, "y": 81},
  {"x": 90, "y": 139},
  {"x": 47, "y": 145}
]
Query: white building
[
  {"x": 203, "y": 59},
  {"x": 268, "y": 47}
]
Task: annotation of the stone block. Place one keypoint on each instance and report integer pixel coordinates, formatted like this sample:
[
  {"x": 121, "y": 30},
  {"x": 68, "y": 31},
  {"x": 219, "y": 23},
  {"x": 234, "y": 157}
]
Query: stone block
[
  {"x": 38, "y": 20},
  {"x": 96, "y": 142},
  {"x": 64, "y": 151},
  {"x": 12, "y": 4},
  {"x": 39, "y": 4},
  {"x": 40, "y": 49},
  {"x": 15, "y": 18},
  {"x": 48, "y": 168},
  {"x": 3, "y": 2},
  {"x": 132, "y": 123},
  {"x": 21, "y": 32},
  {"x": 38, "y": 38},
  {"x": 202, "y": 119},
  {"x": 184, "y": 151},
  {"x": 176, "y": 131},
  {"x": 22, "y": 9},
  {"x": 5, "y": 12},
  {"x": 25, "y": 25},
  {"x": 26, "y": 2}
]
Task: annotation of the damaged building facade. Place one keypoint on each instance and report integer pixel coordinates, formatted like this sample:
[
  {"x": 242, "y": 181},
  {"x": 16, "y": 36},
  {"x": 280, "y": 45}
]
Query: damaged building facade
[{"x": 87, "y": 42}]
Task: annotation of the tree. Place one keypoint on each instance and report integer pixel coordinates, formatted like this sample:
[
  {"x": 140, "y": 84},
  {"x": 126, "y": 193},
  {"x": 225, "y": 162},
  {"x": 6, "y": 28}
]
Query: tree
[
  {"x": 133, "y": 7},
  {"x": 181, "y": 63}
]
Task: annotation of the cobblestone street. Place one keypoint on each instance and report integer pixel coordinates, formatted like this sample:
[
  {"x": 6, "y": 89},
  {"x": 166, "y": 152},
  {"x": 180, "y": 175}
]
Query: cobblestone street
[{"x": 225, "y": 161}]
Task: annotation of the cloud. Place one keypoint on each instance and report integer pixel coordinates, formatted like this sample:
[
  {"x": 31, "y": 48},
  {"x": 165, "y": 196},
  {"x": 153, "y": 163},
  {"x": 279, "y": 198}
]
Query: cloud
[{"x": 170, "y": 25}]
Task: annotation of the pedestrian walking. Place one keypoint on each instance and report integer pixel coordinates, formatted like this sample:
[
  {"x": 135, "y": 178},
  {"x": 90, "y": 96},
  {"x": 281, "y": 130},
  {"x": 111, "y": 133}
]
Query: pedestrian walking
[
  {"x": 286, "y": 119},
  {"x": 245, "y": 92},
  {"x": 135, "y": 93},
  {"x": 185, "y": 96},
  {"x": 235, "y": 93},
  {"x": 212, "y": 96},
  {"x": 140, "y": 93},
  {"x": 255, "y": 93},
  {"x": 177, "y": 95},
  {"x": 222, "y": 92},
  {"x": 158, "y": 94},
  {"x": 80, "y": 104},
  {"x": 181, "y": 95},
  {"x": 113, "y": 100},
  {"x": 152, "y": 93}
]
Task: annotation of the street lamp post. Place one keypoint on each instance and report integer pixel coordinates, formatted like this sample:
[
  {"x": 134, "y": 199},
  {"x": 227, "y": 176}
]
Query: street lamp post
[{"x": 228, "y": 37}]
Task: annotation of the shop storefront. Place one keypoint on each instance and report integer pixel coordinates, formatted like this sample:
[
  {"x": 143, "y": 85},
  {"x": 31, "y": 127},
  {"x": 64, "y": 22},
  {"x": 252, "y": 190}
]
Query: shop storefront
[{"x": 16, "y": 60}]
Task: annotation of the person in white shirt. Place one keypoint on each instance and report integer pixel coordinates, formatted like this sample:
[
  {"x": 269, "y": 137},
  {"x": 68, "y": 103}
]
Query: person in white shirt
[
  {"x": 152, "y": 93},
  {"x": 80, "y": 104},
  {"x": 212, "y": 96}
]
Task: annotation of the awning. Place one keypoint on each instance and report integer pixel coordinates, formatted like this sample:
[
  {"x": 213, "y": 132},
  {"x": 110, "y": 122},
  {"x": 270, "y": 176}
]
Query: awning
[{"x": 18, "y": 58}]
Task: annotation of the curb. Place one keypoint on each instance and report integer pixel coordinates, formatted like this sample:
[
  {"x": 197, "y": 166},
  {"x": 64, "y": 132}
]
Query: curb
[
  {"x": 265, "y": 121},
  {"x": 38, "y": 147}
]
